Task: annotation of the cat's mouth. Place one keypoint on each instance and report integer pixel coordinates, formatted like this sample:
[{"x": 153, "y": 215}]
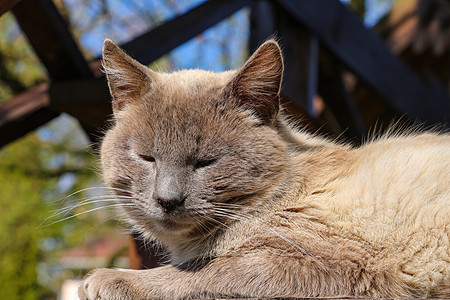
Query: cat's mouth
[{"x": 173, "y": 224}]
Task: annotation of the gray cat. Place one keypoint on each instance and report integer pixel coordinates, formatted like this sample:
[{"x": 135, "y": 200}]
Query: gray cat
[{"x": 249, "y": 206}]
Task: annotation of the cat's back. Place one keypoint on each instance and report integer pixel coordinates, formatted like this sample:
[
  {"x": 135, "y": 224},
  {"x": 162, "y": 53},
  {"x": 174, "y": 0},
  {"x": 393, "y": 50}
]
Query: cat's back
[
  {"x": 397, "y": 197},
  {"x": 396, "y": 177},
  {"x": 406, "y": 176}
]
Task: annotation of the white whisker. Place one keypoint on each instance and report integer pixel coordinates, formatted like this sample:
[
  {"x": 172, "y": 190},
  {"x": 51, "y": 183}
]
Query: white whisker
[
  {"x": 91, "y": 189},
  {"x": 88, "y": 201},
  {"x": 85, "y": 212},
  {"x": 66, "y": 210}
]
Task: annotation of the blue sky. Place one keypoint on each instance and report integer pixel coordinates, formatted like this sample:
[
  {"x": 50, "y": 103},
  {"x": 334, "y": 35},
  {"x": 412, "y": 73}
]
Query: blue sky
[
  {"x": 135, "y": 17},
  {"x": 375, "y": 10}
]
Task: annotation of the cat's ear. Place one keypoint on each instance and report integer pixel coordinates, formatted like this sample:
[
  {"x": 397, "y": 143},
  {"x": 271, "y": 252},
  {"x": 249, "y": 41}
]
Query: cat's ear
[
  {"x": 257, "y": 84},
  {"x": 127, "y": 79}
]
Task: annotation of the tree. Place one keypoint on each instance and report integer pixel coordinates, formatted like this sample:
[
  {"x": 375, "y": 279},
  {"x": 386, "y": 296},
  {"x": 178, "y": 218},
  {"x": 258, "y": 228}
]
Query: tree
[{"x": 19, "y": 67}]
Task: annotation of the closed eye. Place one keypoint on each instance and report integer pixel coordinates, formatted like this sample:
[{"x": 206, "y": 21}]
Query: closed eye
[
  {"x": 147, "y": 157},
  {"x": 204, "y": 163}
]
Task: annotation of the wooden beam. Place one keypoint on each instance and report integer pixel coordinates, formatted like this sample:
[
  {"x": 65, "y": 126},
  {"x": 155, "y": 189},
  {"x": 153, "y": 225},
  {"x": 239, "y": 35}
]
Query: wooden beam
[
  {"x": 6, "y": 5},
  {"x": 369, "y": 58},
  {"x": 24, "y": 113},
  {"x": 337, "y": 98},
  {"x": 51, "y": 39},
  {"x": 301, "y": 49},
  {"x": 161, "y": 40},
  {"x": 263, "y": 23},
  {"x": 80, "y": 92},
  {"x": 88, "y": 100}
]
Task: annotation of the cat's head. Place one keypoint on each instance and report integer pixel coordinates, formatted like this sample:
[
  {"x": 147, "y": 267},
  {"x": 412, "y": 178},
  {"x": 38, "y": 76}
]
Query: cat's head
[{"x": 184, "y": 143}]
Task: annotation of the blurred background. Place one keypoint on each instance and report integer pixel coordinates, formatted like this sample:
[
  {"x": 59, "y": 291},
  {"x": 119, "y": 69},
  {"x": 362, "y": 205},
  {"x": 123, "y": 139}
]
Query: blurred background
[{"x": 352, "y": 67}]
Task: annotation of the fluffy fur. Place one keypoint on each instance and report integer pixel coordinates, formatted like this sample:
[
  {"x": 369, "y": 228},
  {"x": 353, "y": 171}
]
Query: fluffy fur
[{"x": 249, "y": 206}]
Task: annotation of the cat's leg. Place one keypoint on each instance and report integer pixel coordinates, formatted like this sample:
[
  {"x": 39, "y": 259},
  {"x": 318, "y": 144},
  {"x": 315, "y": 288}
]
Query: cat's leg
[
  {"x": 222, "y": 277},
  {"x": 258, "y": 274}
]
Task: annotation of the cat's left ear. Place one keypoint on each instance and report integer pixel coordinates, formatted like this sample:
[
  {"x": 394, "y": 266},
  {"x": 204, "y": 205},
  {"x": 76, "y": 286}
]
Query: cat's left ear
[
  {"x": 128, "y": 79},
  {"x": 257, "y": 84}
]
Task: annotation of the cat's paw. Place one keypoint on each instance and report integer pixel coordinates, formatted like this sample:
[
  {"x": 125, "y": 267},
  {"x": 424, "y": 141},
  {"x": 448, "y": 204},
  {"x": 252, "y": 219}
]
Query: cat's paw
[{"x": 108, "y": 284}]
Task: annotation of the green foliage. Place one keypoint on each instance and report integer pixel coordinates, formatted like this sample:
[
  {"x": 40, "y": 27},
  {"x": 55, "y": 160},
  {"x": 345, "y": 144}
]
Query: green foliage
[
  {"x": 22, "y": 212},
  {"x": 19, "y": 66},
  {"x": 30, "y": 186}
]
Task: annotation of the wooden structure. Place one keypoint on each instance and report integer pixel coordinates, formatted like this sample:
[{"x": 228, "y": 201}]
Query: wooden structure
[
  {"x": 321, "y": 40},
  {"x": 419, "y": 32}
]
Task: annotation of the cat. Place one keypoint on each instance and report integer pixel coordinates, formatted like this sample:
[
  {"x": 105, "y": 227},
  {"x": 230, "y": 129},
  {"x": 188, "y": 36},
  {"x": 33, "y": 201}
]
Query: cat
[{"x": 248, "y": 205}]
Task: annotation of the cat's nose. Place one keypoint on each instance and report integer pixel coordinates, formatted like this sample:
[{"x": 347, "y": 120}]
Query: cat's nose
[
  {"x": 169, "y": 187},
  {"x": 169, "y": 205}
]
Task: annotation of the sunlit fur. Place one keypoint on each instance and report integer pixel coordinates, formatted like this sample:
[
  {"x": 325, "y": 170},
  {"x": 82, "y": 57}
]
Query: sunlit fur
[{"x": 279, "y": 212}]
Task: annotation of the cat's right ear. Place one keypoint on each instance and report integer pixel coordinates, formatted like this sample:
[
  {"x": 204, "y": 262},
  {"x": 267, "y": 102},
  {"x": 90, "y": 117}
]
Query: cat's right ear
[{"x": 127, "y": 79}]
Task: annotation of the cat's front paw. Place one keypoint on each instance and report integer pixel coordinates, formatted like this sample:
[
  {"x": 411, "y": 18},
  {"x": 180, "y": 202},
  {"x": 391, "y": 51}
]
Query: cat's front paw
[{"x": 107, "y": 284}]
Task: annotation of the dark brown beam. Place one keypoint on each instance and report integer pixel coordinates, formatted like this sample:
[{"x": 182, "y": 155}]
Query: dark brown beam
[
  {"x": 337, "y": 98},
  {"x": 51, "y": 39},
  {"x": 86, "y": 99},
  {"x": 368, "y": 57},
  {"x": 161, "y": 40},
  {"x": 301, "y": 49},
  {"x": 6, "y": 5},
  {"x": 80, "y": 92},
  {"x": 301, "y": 62},
  {"x": 24, "y": 113},
  {"x": 263, "y": 23}
]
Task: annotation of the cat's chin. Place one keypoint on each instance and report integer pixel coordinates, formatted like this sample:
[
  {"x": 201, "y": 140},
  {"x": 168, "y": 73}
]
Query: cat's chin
[{"x": 172, "y": 226}]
